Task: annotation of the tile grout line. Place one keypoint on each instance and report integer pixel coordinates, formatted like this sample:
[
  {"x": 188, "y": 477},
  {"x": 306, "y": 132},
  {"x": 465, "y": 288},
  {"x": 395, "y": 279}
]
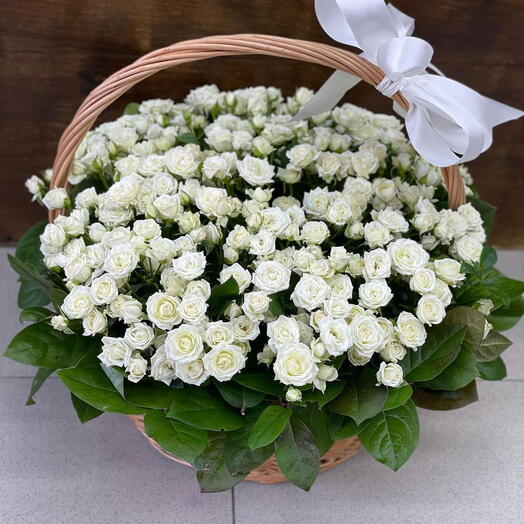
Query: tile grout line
[{"x": 233, "y": 516}]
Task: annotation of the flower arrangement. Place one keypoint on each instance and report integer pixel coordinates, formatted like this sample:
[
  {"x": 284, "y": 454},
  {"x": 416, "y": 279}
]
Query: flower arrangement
[{"x": 254, "y": 284}]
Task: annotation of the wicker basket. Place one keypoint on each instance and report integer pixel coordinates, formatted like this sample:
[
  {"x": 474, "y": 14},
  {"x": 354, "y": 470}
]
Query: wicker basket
[
  {"x": 193, "y": 50},
  {"x": 269, "y": 472}
]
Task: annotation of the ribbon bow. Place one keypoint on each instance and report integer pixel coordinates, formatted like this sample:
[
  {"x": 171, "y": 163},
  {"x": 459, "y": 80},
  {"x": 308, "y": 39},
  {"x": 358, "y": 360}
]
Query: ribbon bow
[{"x": 447, "y": 122}]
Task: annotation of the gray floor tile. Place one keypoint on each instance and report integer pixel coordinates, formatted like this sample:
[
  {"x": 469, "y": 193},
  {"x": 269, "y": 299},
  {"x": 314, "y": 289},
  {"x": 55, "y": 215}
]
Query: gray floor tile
[
  {"x": 56, "y": 470},
  {"x": 468, "y": 468},
  {"x": 511, "y": 263}
]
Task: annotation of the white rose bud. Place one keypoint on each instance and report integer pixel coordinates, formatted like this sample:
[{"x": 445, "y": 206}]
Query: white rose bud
[
  {"x": 390, "y": 375},
  {"x": 293, "y": 395},
  {"x": 56, "y": 198},
  {"x": 136, "y": 368},
  {"x": 448, "y": 270}
]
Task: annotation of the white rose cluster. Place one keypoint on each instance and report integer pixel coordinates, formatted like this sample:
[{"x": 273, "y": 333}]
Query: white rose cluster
[{"x": 333, "y": 229}]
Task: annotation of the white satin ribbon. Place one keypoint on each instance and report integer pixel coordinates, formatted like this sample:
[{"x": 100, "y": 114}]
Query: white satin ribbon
[{"x": 447, "y": 122}]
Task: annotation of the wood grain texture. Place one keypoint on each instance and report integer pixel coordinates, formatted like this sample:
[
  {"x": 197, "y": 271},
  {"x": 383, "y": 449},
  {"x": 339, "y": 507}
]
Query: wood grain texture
[{"x": 53, "y": 52}]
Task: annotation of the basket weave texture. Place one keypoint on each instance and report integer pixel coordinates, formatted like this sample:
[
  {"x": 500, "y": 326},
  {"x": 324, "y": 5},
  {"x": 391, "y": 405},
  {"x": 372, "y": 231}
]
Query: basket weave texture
[
  {"x": 269, "y": 472},
  {"x": 229, "y": 45}
]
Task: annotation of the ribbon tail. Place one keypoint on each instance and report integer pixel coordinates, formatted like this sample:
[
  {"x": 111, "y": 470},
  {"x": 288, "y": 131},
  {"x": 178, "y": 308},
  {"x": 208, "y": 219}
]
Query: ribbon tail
[
  {"x": 501, "y": 113},
  {"x": 328, "y": 96}
]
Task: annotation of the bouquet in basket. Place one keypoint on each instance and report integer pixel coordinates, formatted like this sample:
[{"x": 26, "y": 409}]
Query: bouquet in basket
[{"x": 256, "y": 284}]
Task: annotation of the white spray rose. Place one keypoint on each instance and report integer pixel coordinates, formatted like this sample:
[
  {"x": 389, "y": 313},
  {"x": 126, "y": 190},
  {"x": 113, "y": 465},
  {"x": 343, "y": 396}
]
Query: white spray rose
[
  {"x": 310, "y": 292},
  {"x": 336, "y": 335},
  {"x": 467, "y": 249},
  {"x": 448, "y": 270},
  {"x": 192, "y": 372},
  {"x": 367, "y": 335},
  {"x": 375, "y": 294},
  {"x": 390, "y": 375},
  {"x": 193, "y": 308},
  {"x": 393, "y": 351},
  {"x": 103, "y": 290},
  {"x": 256, "y": 304},
  {"x": 376, "y": 234},
  {"x": 121, "y": 261},
  {"x": 184, "y": 344},
  {"x": 271, "y": 277},
  {"x": 162, "y": 310},
  {"x": 314, "y": 232},
  {"x": 295, "y": 365},
  {"x": 410, "y": 330},
  {"x": 56, "y": 198},
  {"x": 78, "y": 303},
  {"x": 162, "y": 369},
  {"x": 282, "y": 332},
  {"x": 115, "y": 352},
  {"x": 377, "y": 264},
  {"x": 255, "y": 171},
  {"x": 422, "y": 281},
  {"x": 218, "y": 334},
  {"x": 223, "y": 362},
  {"x": 407, "y": 256},
  {"x": 181, "y": 161},
  {"x": 241, "y": 275},
  {"x": 190, "y": 265},
  {"x": 430, "y": 309},
  {"x": 139, "y": 336}
]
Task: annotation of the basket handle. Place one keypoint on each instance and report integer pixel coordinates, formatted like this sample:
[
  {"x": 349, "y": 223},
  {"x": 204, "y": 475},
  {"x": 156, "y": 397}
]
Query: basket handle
[{"x": 193, "y": 50}]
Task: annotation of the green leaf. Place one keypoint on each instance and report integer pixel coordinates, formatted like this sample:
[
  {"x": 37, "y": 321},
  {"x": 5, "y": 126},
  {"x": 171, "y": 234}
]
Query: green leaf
[
  {"x": 458, "y": 374},
  {"x": 115, "y": 376},
  {"x": 492, "y": 346},
  {"x": 492, "y": 370},
  {"x": 260, "y": 381},
  {"x": 240, "y": 458},
  {"x": 28, "y": 251},
  {"x": 487, "y": 212},
  {"x": 488, "y": 257},
  {"x": 201, "y": 409},
  {"x": 41, "y": 376},
  {"x": 211, "y": 468},
  {"x": 276, "y": 306},
  {"x": 391, "y": 436},
  {"x": 362, "y": 398},
  {"x": 28, "y": 247},
  {"x": 175, "y": 437},
  {"x": 492, "y": 284},
  {"x": 187, "y": 138},
  {"x": 333, "y": 390},
  {"x": 35, "y": 314},
  {"x": 268, "y": 427},
  {"x": 132, "y": 108},
  {"x": 471, "y": 319},
  {"x": 150, "y": 394},
  {"x": 85, "y": 411},
  {"x": 440, "y": 349},
  {"x": 398, "y": 396},
  {"x": 43, "y": 346},
  {"x": 317, "y": 422},
  {"x": 348, "y": 429},
  {"x": 30, "y": 295},
  {"x": 91, "y": 385},
  {"x": 297, "y": 454},
  {"x": 221, "y": 296},
  {"x": 506, "y": 317},
  {"x": 238, "y": 396},
  {"x": 31, "y": 274},
  {"x": 445, "y": 400}
]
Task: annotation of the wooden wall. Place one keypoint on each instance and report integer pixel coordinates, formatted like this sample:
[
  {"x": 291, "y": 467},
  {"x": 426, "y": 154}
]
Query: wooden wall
[{"x": 53, "y": 52}]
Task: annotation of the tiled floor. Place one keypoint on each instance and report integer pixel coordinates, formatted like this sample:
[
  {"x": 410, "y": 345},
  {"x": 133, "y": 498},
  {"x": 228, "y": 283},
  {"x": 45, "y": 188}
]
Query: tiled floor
[{"x": 469, "y": 467}]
